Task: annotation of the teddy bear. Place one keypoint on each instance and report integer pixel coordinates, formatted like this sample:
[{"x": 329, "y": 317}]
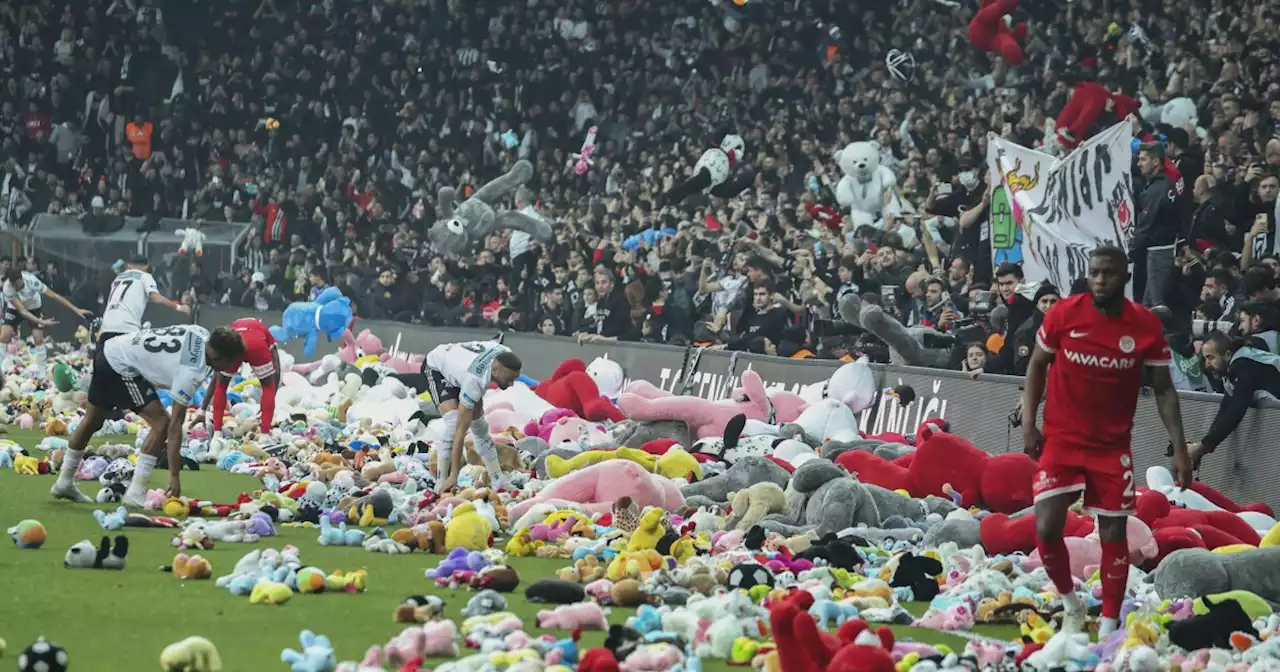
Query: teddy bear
[
  {"x": 867, "y": 188},
  {"x": 1001, "y": 483},
  {"x": 572, "y": 387},
  {"x": 471, "y": 220},
  {"x": 711, "y": 174},
  {"x": 990, "y": 30},
  {"x": 1091, "y": 107},
  {"x": 754, "y": 503},
  {"x": 329, "y": 313}
]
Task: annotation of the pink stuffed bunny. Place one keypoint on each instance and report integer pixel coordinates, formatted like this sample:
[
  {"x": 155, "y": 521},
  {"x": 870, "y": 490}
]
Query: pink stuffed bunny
[
  {"x": 441, "y": 639},
  {"x": 404, "y": 647},
  {"x": 653, "y": 658},
  {"x": 585, "y": 615},
  {"x": 545, "y": 532},
  {"x": 708, "y": 418},
  {"x": 600, "y": 590}
]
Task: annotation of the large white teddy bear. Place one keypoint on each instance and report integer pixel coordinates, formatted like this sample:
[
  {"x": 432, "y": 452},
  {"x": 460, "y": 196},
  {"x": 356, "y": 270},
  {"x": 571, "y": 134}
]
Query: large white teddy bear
[{"x": 867, "y": 187}]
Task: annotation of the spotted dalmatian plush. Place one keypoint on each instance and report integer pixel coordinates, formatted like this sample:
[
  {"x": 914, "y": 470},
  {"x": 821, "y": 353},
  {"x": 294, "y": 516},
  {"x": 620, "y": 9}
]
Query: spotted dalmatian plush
[
  {"x": 733, "y": 446},
  {"x": 626, "y": 514},
  {"x": 118, "y": 472}
]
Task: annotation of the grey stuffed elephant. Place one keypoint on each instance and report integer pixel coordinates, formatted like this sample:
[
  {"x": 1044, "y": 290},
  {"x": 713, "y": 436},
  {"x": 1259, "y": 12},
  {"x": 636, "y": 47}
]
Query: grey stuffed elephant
[
  {"x": 469, "y": 221},
  {"x": 906, "y": 344}
]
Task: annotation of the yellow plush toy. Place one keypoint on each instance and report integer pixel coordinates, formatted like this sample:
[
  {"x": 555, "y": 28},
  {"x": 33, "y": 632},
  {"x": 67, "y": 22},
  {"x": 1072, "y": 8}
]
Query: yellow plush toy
[
  {"x": 648, "y": 532},
  {"x": 522, "y": 544},
  {"x": 675, "y": 463},
  {"x": 467, "y": 529},
  {"x": 351, "y": 582},
  {"x": 634, "y": 565},
  {"x": 270, "y": 592},
  {"x": 1271, "y": 538},
  {"x": 26, "y": 465},
  {"x": 193, "y": 654}
]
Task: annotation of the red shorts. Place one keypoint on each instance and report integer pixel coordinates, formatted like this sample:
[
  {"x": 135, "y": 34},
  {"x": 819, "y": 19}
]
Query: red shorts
[{"x": 1105, "y": 476}]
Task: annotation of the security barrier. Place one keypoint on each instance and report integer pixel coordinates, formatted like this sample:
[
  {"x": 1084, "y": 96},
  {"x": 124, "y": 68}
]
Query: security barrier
[{"x": 1243, "y": 467}]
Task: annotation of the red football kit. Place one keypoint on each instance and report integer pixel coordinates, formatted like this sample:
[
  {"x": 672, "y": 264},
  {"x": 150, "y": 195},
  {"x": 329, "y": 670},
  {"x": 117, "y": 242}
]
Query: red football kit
[
  {"x": 1090, "y": 398},
  {"x": 259, "y": 352}
]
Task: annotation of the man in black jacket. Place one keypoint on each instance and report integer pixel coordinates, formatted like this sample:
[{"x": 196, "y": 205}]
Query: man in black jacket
[
  {"x": 1247, "y": 374},
  {"x": 1018, "y": 309},
  {"x": 1157, "y": 229},
  {"x": 764, "y": 321},
  {"x": 1024, "y": 339}
]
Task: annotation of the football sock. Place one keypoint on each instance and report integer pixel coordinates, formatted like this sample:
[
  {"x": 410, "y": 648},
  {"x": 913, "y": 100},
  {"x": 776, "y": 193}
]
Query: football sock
[
  {"x": 219, "y": 402},
  {"x": 70, "y": 462},
  {"x": 1106, "y": 626},
  {"x": 142, "y": 472},
  {"x": 1115, "y": 577},
  {"x": 484, "y": 447},
  {"x": 444, "y": 451},
  {"x": 38, "y": 358},
  {"x": 1057, "y": 564}
]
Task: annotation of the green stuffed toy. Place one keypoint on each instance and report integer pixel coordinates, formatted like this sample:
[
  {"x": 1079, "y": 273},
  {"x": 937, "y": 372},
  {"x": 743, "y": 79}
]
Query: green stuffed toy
[{"x": 63, "y": 377}]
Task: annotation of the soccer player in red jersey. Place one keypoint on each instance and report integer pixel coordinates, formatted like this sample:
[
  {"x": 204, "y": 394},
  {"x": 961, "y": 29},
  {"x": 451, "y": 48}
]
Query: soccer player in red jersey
[
  {"x": 1097, "y": 344},
  {"x": 263, "y": 356}
]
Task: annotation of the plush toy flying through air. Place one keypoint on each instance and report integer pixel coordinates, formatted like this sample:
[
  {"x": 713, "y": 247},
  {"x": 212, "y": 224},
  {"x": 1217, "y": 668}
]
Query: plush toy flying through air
[
  {"x": 582, "y": 160},
  {"x": 329, "y": 314},
  {"x": 711, "y": 173},
  {"x": 192, "y": 239},
  {"x": 461, "y": 224},
  {"x": 991, "y": 30}
]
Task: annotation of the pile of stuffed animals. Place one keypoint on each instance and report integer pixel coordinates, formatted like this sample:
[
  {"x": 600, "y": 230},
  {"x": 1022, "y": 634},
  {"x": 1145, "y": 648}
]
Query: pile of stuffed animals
[{"x": 763, "y": 528}]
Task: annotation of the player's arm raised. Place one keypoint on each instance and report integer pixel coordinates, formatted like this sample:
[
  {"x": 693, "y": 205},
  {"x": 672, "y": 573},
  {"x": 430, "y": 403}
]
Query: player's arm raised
[
  {"x": 153, "y": 293},
  {"x": 70, "y": 306}
]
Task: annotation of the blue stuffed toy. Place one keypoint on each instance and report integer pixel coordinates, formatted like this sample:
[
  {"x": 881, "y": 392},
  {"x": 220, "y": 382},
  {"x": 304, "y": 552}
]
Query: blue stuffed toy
[
  {"x": 316, "y": 655},
  {"x": 329, "y": 314}
]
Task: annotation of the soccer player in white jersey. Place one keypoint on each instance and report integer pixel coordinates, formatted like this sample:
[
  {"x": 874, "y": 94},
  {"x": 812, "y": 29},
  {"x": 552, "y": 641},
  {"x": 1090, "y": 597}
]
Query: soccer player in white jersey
[
  {"x": 457, "y": 375},
  {"x": 127, "y": 371},
  {"x": 131, "y": 291},
  {"x": 24, "y": 296}
]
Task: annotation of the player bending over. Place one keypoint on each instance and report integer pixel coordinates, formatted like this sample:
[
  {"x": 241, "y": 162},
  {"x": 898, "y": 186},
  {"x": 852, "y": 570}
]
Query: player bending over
[
  {"x": 1097, "y": 344},
  {"x": 24, "y": 296},
  {"x": 127, "y": 301},
  {"x": 263, "y": 356},
  {"x": 457, "y": 376},
  {"x": 127, "y": 371}
]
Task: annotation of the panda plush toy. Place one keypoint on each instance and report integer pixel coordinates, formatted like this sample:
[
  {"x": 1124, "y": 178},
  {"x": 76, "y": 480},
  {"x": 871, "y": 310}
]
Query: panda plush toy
[
  {"x": 712, "y": 171},
  {"x": 43, "y": 656}
]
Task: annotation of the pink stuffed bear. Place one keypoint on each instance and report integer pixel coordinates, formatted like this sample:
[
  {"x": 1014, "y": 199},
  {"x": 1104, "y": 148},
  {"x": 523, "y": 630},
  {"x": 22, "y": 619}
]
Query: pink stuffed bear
[
  {"x": 655, "y": 658},
  {"x": 596, "y": 487},
  {"x": 1086, "y": 551},
  {"x": 367, "y": 343},
  {"x": 542, "y": 426},
  {"x": 585, "y": 615},
  {"x": 707, "y": 418},
  {"x": 436, "y": 639}
]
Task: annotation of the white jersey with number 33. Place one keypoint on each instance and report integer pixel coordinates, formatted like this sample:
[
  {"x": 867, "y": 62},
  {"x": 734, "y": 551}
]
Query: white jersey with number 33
[
  {"x": 171, "y": 358},
  {"x": 130, "y": 293},
  {"x": 467, "y": 366}
]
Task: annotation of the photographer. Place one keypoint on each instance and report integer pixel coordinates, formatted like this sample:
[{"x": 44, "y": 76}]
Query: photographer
[
  {"x": 259, "y": 296},
  {"x": 1187, "y": 369},
  {"x": 1247, "y": 374},
  {"x": 1257, "y": 325}
]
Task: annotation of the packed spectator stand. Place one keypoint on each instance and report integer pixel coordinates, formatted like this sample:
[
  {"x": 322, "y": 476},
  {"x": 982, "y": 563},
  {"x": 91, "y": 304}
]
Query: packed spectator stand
[{"x": 332, "y": 126}]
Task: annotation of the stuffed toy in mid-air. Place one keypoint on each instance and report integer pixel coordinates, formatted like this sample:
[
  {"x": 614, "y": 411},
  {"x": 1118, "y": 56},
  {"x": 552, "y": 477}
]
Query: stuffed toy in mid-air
[
  {"x": 1091, "y": 108},
  {"x": 471, "y": 220},
  {"x": 329, "y": 314},
  {"x": 582, "y": 160},
  {"x": 991, "y": 30},
  {"x": 711, "y": 173},
  {"x": 192, "y": 239}
]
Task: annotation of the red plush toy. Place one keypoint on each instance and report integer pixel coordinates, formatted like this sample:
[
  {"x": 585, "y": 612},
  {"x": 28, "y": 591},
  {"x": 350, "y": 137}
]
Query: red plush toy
[
  {"x": 802, "y": 647},
  {"x": 1002, "y": 535},
  {"x": 572, "y": 388},
  {"x": 1091, "y": 104},
  {"x": 990, "y": 31},
  {"x": 1214, "y": 528},
  {"x": 1001, "y": 483}
]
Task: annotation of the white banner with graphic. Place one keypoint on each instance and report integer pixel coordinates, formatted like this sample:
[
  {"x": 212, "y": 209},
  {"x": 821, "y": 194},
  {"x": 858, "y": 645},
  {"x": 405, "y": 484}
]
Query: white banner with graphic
[{"x": 1048, "y": 214}]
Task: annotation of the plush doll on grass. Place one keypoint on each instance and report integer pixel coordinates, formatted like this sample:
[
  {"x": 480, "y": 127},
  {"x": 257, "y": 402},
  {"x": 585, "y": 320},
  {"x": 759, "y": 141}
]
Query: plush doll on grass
[
  {"x": 462, "y": 224},
  {"x": 193, "y": 654},
  {"x": 711, "y": 174}
]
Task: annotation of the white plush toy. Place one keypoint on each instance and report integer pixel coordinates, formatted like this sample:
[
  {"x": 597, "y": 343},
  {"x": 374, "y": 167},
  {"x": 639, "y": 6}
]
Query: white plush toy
[
  {"x": 192, "y": 239},
  {"x": 608, "y": 376},
  {"x": 867, "y": 187}
]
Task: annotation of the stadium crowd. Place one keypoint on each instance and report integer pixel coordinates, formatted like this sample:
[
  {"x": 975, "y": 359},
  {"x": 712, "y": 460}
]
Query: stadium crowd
[{"x": 331, "y": 125}]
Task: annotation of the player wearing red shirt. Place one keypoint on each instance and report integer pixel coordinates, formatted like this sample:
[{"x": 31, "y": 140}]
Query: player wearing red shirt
[
  {"x": 1098, "y": 345},
  {"x": 263, "y": 356}
]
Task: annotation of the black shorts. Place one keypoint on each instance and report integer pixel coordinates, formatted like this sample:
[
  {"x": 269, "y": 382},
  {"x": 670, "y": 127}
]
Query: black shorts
[
  {"x": 105, "y": 336},
  {"x": 109, "y": 390},
  {"x": 15, "y": 319},
  {"x": 441, "y": 391}
]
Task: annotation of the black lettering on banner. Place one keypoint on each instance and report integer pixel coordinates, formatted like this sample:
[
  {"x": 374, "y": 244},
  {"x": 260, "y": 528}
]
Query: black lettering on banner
[
  {"x": 1086, "y": 189},
  {"x": 1077, "y": 262}
]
